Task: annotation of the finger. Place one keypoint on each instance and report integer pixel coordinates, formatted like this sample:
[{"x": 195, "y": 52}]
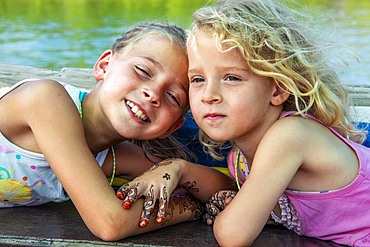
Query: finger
[
  {"x": 208, "y": 219},
  {"x": 212, "y": 210},
  {"x": 131, "y": 197},
  {"x": 163, "y": 205},
  {"x": 122, "y": 191},
  {"x": 148, "y": 208},
  {"x": 229, "y": 197}
]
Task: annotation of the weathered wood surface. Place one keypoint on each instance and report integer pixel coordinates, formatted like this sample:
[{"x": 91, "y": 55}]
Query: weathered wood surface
[{"x": 10, "y": 74}]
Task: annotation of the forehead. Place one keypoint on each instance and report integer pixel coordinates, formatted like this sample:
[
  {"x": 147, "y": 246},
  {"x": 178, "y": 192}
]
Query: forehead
[
  {"x": 144, "y": 39},
  {"x": 207, "y": 42},
  {"x": 169, "y": 58}
]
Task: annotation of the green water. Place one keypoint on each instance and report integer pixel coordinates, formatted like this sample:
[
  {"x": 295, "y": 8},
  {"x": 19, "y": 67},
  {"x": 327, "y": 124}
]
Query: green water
[{"x": 73, "y": 33}]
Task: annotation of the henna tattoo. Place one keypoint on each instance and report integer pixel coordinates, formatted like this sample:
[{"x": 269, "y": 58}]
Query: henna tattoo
[
  {"x": 162, "y": 163},
  {"x": 131, "y": 197},
  {"x": 165, "y": 163},
  {"x": 148, "y": 208},
  {"x": 190, "y": 186},
  {"x": 167, "y": 176},
  {"x": 188, "y": 202},
  {"x": 163, "y": 205},
  {"x": 122, "y": 191},
  {"x": 217, "y": 203}
]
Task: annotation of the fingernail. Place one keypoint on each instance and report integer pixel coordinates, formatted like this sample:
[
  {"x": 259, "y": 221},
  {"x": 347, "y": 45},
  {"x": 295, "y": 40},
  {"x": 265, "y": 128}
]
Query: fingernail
[
  {"x": 119, "y": 195},
  {"x": 143, "y": 222},
  {"x": 159, "y": 219},
  {"x": 126, "y": 204}
]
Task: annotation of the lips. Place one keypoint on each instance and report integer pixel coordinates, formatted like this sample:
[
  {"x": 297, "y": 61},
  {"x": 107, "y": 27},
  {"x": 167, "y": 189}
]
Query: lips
[
  {"x": 136, "y": 111},
  {"x": 214, "y": 115}
]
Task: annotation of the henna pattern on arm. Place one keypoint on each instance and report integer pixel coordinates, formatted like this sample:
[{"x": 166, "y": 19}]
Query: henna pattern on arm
[
  {"x": 190, "y": 186},
  {"x": 188, "y": 202}
]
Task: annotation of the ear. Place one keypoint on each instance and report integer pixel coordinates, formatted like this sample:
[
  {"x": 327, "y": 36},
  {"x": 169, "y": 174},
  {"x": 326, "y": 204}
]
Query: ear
[
  {"x": 101, "y": 65},
  {"x": 279, "y": 95},
  {"x": 173, "y": 128}
]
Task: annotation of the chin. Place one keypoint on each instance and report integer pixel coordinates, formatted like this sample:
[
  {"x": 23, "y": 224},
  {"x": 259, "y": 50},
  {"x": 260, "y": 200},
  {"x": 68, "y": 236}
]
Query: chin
[{"x": 218, "y": 137}]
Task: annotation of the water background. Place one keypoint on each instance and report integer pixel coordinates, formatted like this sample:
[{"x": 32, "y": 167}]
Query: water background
[{"x": 54, "y": 34}]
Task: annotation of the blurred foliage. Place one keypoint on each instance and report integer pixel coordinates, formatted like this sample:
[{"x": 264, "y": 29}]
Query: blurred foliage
[{"x": 73, "y": 33}]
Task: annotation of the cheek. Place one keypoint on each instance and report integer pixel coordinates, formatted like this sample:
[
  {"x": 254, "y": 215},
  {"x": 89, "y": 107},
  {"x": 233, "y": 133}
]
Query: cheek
[
  {"x": 195, "y": 108},
  {"x": 193, "y": 100}
]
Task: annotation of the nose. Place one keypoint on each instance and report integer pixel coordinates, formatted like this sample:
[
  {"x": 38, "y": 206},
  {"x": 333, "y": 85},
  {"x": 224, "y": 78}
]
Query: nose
[
  {"x": 151, "y": 96},
  {"x": 211, "y": 94}
]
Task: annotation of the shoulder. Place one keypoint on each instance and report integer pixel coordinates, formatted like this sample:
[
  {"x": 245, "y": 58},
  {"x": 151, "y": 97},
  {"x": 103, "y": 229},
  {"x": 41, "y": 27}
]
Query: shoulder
[
  {"x": 292, "y": 128},
  {"x": 294, "y": 134},
  {"x": 42, "y": 86},
  {"x": 300, "y": 135},
  {"x": 41, "y": 92},
  {"x": 39, "y": 99}
]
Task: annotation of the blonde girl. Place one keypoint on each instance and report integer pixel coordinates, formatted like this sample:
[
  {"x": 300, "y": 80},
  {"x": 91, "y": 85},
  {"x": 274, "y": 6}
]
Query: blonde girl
[{"x": 260, "y": 79}]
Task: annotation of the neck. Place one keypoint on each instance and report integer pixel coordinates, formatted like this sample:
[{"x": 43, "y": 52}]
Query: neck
[
  {"x": 95, "y": 127},
  {"x": 249, "y": 143}
]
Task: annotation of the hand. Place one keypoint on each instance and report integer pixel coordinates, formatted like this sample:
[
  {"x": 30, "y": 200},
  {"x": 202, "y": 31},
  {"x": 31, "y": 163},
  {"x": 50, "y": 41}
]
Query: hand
[
  {"x": 156, "y": 183},
  {"x": 216, "y": 204}
]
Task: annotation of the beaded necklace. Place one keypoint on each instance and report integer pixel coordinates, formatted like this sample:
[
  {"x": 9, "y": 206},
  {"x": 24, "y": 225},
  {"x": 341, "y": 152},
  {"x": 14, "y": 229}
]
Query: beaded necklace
[
  {"x": 236, "y": 164},
  {"x": 111, "y": 148}
]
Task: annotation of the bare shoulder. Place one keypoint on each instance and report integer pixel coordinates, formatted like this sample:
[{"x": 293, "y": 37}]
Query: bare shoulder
[
  {"x": 33, "y": 107},
  {"x": 39, "y": 89},
  {"x": 33, "y": 92},
  {"x": 297, "y": 136},
  {"x": 292, "y": 129}
]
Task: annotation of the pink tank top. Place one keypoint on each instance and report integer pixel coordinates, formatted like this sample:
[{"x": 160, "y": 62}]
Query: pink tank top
[{"x": 342, "y": 216}]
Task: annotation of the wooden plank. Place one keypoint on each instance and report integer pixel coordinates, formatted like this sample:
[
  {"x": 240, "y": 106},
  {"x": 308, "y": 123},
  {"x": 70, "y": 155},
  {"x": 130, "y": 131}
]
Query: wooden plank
[{"x": 80, "y": 77}]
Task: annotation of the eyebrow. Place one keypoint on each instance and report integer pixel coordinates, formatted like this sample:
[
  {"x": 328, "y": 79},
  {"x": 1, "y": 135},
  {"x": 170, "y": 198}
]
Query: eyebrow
[
  {"x": 155, "y": 62},
  {"x": 222, "y": 69}
]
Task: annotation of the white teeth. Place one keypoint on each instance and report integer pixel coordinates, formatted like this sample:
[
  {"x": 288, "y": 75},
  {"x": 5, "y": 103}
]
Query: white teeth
[
  {"x": 138, "y": 113},
  {"x": 134, "y": 109}
]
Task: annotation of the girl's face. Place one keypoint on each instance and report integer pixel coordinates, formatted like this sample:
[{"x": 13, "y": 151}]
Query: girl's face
[
  {"x": 227, "y": 100},
  {"x": 145, "y": 89}
]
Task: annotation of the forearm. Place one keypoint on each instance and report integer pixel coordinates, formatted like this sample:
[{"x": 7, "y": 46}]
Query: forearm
[
  {"x": 113, "y": 222},
  {"x": 203, "y": 181}
]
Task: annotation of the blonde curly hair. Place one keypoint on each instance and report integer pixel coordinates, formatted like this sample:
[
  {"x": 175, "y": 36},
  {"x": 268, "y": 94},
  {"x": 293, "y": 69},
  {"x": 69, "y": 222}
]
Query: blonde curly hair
[{"x": 278, "y": 42}]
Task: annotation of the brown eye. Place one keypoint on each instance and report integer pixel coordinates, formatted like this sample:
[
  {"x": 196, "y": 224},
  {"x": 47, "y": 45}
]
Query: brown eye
[
  {"x": 197, "y": 80},
  {"x": 232, "y": 78}
]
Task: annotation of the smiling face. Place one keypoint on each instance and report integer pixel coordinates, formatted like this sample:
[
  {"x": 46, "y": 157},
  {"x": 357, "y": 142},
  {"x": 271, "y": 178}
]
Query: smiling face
[
  {"x": 144, "y": 91},
  {"x": 227, "y": 100}
]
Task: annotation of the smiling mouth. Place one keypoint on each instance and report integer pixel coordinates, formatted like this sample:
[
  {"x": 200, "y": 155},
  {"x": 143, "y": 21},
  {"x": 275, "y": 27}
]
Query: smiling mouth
[{"x": 137, "y": 112}]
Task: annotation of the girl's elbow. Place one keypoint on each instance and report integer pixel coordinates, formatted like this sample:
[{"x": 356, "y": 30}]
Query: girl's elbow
[
  {"x": 108, "y": 232},
  {"x": 111, "y": 229},
  {"x": 231, "y": 236}
]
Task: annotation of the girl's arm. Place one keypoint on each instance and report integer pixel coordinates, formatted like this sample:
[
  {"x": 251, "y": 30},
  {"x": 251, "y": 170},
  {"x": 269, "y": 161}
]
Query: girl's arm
[
  {"x": 163, "y": 178},
  {"x": 277, "y": 159},
  {"x": 54, "y": 121},
  {"x": 131, "y": 161}
]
